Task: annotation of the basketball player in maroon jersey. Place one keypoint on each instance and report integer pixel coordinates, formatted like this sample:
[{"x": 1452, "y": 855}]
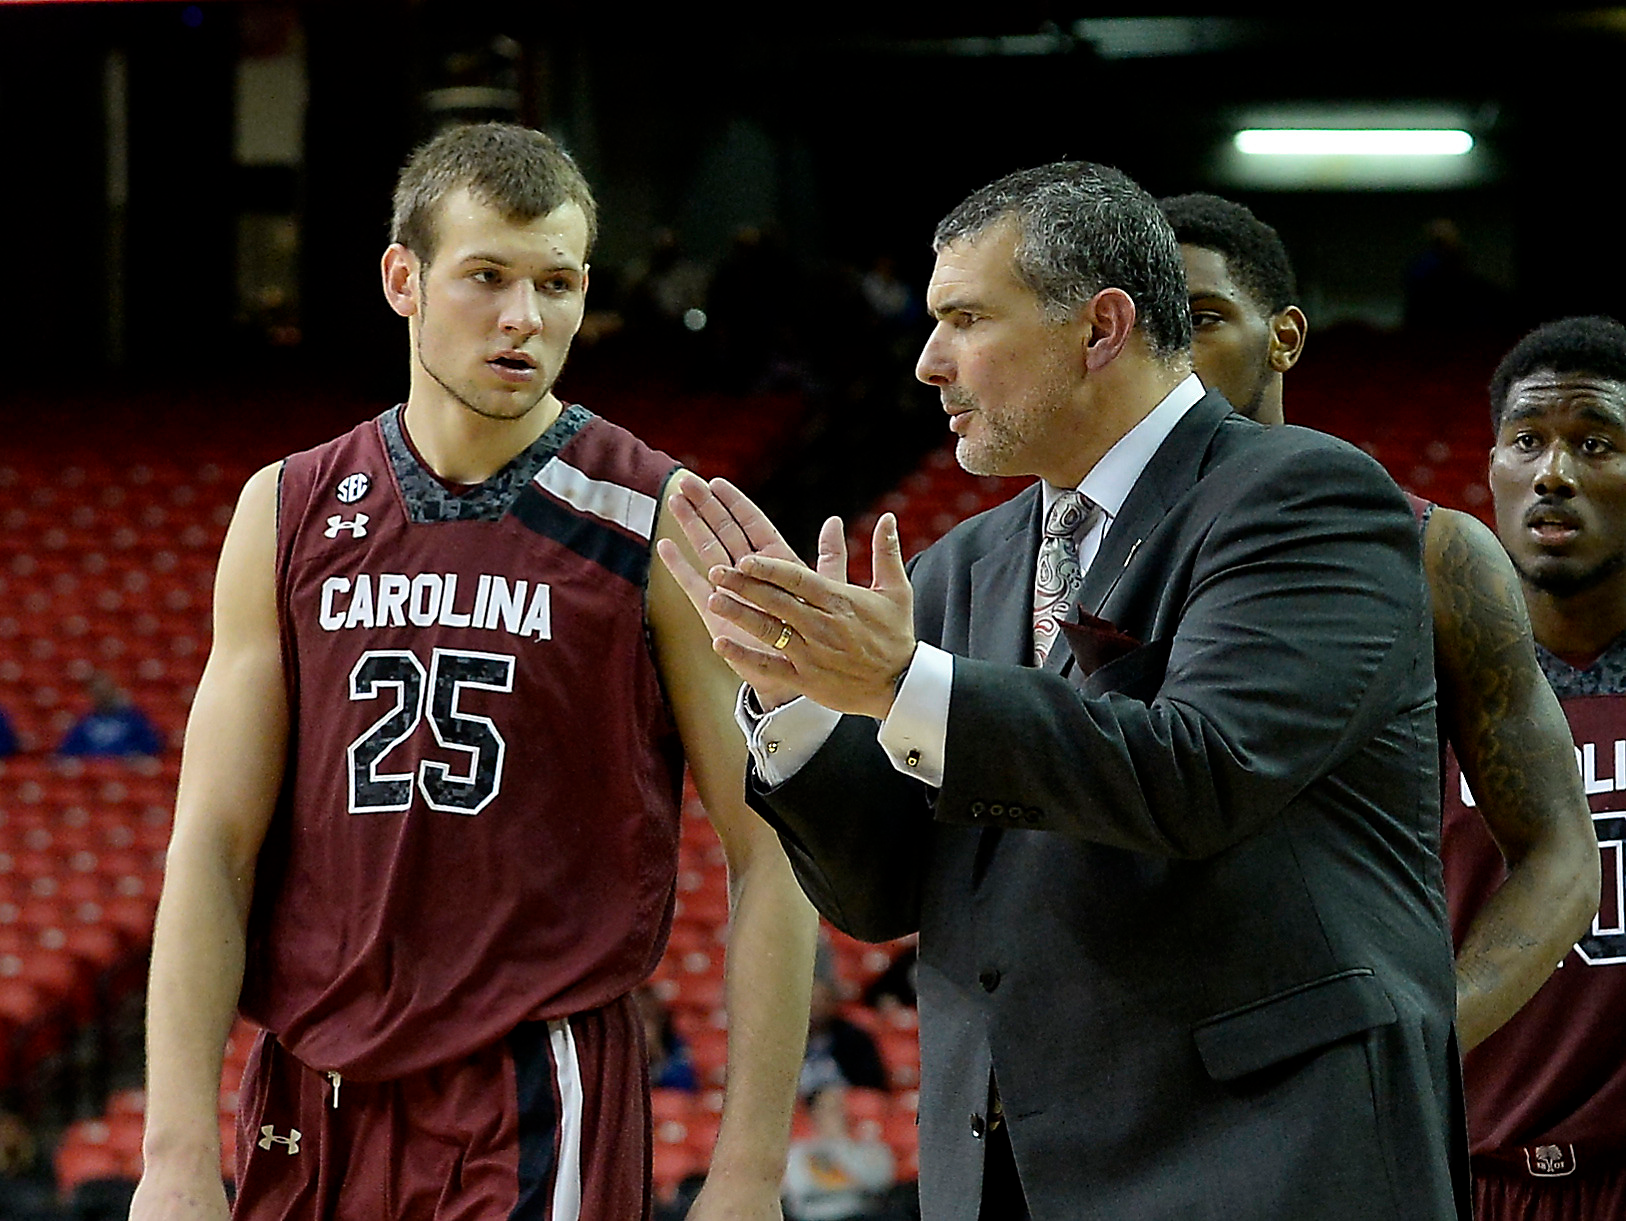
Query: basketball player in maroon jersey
[
  {"x": 1495, "y": 708},
  {"x": 1547, "y": 1091},
  {"x": 426, "y": 833}
]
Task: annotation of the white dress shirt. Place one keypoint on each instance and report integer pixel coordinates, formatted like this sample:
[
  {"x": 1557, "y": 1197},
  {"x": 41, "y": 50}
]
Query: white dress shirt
[{"x": 914, "y": 732}]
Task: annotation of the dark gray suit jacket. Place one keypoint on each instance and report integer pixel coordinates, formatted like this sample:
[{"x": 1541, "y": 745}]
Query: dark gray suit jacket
[{"x": 1186, "y": 909}]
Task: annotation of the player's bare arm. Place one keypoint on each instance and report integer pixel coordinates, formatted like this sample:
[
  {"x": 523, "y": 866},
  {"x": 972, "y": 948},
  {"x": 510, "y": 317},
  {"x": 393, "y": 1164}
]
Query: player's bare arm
[
  {"x": 230, "y": 772},
  {"x": 1514, "y": 745},
  {"x": 773, "y": 928}
]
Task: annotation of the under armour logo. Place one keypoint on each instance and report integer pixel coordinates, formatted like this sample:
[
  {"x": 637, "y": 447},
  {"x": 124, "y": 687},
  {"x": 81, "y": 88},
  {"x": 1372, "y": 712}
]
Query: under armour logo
[
  {"x": 357, "y": 528},
  {"x": 269, "y": 1137}
]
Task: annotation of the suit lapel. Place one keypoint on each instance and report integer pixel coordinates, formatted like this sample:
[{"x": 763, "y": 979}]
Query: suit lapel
[{"x": 1170, "y": 474}]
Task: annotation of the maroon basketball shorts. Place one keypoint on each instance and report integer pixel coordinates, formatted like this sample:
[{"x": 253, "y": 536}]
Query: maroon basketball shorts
[
  {"x": 1589, "y": 1194},
  {"x": 551, "y": 1124}
]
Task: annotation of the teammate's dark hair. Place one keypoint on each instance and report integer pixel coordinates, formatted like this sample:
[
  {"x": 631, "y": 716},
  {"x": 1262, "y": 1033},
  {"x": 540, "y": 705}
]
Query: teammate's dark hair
[
  {"x": 1081, "y": 228},
  {"x": 520, "y": 172},
  {"x": 1595, "y": 345},
  {"x": 1253, "y": 251}
]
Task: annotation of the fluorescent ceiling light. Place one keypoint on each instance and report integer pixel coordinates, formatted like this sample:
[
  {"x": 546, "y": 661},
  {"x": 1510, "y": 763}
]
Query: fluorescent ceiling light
[{"x": 1348, "y": 142}]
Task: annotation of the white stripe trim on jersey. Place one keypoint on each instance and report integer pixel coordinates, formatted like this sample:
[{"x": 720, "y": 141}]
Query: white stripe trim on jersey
[
  {"x": 567, "y": 1070},
  {"x": 624, "y": 506}
]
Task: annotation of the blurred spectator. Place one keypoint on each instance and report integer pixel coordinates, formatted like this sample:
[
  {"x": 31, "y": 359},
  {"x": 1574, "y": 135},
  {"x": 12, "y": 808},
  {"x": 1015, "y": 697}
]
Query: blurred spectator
[
  {"x": 8, "y": 736},
  {"x": 1443, "y": 292},
  {"x": 834, "y": 1175},
  {"x": 113, "y": 726},
  {"x": 758, "y": 345},
  {"x": 661, "y": 298},
  {"x": 887, "y": 296},
  {"x": 670, "y": 1066},
  {"x": 101, "y": 1200},
  {"x": 678, "y": 1207},
  {"x": 894, "y": 987},
  {"x": 838, "y": 1053},
  {"x": 27, "y": 1191}
]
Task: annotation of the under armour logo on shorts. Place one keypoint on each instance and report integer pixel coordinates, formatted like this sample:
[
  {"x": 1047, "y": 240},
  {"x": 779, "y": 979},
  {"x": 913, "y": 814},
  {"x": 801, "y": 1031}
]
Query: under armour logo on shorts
[
  {"x": 357, "y": 528},
  {"x": 269, "y": 1137}
]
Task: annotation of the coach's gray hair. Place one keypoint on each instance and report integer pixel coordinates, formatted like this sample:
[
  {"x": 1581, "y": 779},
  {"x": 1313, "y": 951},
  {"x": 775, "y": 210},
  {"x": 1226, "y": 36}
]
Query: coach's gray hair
[{"x": 1083, "y": 227}]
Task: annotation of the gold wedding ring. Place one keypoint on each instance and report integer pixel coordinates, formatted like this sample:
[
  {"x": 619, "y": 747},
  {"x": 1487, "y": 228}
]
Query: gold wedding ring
[{"x": 784, "y": 636}]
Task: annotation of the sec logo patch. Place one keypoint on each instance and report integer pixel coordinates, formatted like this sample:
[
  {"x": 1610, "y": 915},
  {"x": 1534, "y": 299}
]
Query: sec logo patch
[{"x": 352, "y": 488}]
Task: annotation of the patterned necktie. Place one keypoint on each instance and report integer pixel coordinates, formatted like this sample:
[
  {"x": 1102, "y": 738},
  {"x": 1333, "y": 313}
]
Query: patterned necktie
[{"x": 1059, "y": 577}]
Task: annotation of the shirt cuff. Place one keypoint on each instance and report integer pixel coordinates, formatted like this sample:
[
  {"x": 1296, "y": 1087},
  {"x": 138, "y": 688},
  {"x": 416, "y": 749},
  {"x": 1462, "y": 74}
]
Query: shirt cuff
[
  {"x": 915, "y": 733},
  {"x": 783, "y": 740}
]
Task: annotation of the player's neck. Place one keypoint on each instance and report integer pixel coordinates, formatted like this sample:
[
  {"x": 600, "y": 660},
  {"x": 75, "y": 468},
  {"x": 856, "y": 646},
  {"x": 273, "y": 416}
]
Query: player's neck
[
  {"x": 462, "y": 447},
  {"x": 1269, "y": 410},
  {"x": 1579, "y": 625}
]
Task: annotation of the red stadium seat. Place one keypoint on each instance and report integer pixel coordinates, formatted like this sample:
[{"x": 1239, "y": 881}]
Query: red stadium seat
[
  {"x": 78, "y": 1162},
  {"x": 703, "y": 1135},
  {"x": 900, "y": 1052},
  {"x": 697, "y": 994},
  {"x": 131, "y": 916},
  {"x": 863, "y": 1103},
  {"x": 57, "y": 976},
  {"x": 672, "y": 1163},
  {"x": 669, "y": 1104},
  {"x": 709, "y": 1050},
  {"x": 98, "y": 946},
  {"x": 127, "y": 1102}
]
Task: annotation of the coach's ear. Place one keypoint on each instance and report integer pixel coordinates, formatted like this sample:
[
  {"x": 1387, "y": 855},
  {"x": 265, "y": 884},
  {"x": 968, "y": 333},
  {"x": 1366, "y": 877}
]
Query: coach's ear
[
  {"x": 1110, "y": 316},
  {"x": 401, "y": 289}
]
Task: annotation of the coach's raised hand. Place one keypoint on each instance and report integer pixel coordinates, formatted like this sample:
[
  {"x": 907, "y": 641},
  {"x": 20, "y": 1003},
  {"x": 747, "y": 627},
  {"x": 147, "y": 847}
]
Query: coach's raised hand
[
  {"x": 785, "y": 628},
  {"x": 718, "y": 537}
]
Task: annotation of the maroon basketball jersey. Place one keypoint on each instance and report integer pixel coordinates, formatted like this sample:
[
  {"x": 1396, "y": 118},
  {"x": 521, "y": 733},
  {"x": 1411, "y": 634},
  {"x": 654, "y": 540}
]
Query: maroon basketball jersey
[
  {"x": 479, "y": 820},
  {"x": 1548, "y": 1090}
]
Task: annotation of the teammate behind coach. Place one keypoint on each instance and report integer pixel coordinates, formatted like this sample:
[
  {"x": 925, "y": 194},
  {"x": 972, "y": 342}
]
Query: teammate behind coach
[
  {"x": 430, "y": 791},
  {"x": 1495, "y": 707},
  {"x": 1547, "y": 1092}
]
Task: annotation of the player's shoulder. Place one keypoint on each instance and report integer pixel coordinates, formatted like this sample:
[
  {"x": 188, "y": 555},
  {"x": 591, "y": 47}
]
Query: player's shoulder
[
  {"x": 603, "y": 450},
  {"x": 347, "y": 467},
  {"x": 1246, "y": 456},
  {"x": 1287, "y": 444}
]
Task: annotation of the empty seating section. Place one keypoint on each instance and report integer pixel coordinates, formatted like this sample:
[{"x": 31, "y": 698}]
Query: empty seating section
[
  {"x": 1418, "y": 409},
  {"x": 103, "y": 566},
  {"x": 106, "y": 567},
  {"x": 743, "y": 438}
]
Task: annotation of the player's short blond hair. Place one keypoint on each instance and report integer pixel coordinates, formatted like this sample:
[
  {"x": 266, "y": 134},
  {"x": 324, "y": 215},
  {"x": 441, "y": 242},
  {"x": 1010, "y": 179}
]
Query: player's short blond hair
[{"x": 519, "y": 171}]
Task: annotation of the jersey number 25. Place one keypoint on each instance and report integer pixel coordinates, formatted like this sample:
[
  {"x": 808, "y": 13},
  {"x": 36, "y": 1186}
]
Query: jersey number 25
[{"x": 450, "y": 672}]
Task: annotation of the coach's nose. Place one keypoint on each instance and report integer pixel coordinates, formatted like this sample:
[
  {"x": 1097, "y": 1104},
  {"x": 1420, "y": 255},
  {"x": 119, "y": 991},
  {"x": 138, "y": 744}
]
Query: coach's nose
[{"x": 935, "y": 366}]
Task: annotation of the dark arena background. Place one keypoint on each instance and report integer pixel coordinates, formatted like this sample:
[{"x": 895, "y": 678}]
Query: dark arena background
[{"x": 194, "y": 202}]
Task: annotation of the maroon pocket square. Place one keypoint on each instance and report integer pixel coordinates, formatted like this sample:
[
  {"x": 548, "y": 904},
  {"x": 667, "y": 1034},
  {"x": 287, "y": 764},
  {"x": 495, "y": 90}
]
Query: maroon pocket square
[{"x": 1095, "y": 642}]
